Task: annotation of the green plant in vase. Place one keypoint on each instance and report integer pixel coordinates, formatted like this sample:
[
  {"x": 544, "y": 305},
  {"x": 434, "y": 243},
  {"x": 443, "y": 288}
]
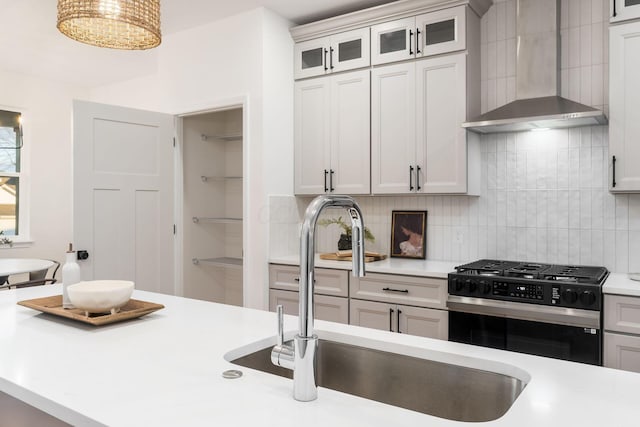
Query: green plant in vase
[{"x": 345, "y": 237}]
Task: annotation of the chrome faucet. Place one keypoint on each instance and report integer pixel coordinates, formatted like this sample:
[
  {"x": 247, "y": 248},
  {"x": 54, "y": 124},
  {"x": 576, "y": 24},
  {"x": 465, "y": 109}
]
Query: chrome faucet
[{"x": 301, "y": 358}]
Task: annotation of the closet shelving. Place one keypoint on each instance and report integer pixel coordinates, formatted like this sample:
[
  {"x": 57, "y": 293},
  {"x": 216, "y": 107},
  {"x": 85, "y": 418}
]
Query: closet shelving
[{"x": 228, "y": 262}]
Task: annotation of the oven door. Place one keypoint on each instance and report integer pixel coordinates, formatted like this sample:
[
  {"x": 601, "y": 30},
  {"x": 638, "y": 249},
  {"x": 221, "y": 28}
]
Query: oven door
[{"x": 557, "y": 332}]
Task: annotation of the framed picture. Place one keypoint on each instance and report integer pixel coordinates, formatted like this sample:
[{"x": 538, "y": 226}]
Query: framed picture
[{"x": 408, "y": 234}]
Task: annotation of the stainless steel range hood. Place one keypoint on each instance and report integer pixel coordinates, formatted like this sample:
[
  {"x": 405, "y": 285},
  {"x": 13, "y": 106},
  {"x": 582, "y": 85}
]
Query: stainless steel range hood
[{"x": 537, "y": 104}]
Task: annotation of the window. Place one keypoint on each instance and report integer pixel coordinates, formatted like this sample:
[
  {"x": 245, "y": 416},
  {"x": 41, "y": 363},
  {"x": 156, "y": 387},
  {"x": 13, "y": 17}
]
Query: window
[{"x": 10, "y": 170}]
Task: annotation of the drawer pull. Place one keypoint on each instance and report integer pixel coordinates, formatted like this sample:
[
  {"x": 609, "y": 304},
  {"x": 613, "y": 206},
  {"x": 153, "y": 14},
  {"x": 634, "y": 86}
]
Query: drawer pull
[
  {"x": 404, "y": 291},
  {"x": 391, "y": 320},
  {"x": 297, "y": 279}
]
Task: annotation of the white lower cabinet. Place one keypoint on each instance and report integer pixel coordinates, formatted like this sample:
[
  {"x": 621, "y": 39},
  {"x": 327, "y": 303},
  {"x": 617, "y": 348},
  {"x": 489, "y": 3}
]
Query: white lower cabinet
[
  {"x": 622, "y": 332},
  {"x": 424, "y": 322},
  {"x": 333, "y": 309},
  {"x": 391, "y": 302}
]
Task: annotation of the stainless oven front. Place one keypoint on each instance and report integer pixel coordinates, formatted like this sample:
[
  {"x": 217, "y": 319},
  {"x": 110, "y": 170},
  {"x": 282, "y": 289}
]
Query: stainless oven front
[{"x": 557, "y": 332}]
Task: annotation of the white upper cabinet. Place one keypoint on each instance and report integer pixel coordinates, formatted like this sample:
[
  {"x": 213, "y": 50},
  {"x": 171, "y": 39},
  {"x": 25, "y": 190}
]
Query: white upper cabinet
[
  {"x": 418, "y": 144},
  {"x": 624, "y": 108},
  {"x": 331, "y": 54},
  {"x": 332, "y": 134},
  {"x": 393, "y": 129},
  {"x": 441, "y": 108},
  {"x": 428, "y": 34},
  {"x": 622, "y": 10}
]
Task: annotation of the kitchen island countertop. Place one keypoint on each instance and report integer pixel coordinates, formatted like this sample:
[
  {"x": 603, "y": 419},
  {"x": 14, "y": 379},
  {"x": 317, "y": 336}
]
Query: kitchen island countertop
[{"x": 165, "y": 370}]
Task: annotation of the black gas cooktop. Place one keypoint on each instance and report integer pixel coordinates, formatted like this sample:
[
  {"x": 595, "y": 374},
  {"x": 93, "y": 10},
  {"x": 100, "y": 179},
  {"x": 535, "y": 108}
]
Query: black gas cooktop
[{"x": 574, "y": 286}]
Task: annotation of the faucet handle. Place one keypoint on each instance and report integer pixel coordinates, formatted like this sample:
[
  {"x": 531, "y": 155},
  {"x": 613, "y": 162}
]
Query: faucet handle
[{"x": 280, "y": 313}]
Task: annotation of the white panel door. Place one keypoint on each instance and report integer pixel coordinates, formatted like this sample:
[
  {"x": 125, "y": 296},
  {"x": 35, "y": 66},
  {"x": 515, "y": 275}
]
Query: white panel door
[
  {"x": 393, "y": 138},
  {"x": 424, "y": 322},
  {"x": 375, "y": 315},
  {"x": 311, "y": 136},
  {"x": 311, "y": 58},
  {"x": 123, "y": 196},
  {"x": 441, "y": 110},
  {"x": 350, "y": 171},
  {"x": 624, "y": 109}
]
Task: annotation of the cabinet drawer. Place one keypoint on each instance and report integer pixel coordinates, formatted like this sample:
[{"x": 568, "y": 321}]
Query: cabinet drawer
[
  {"x": 332, "y": 309},
  {"x": 622, "y": 314},
  {"x": 418, "y": 291},
  {"x": 622, "y": 352},
  {"x": 328, "y": 281}
]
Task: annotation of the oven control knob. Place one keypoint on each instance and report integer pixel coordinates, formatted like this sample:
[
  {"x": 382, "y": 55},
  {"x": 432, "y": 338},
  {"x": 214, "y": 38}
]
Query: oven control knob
[
  {"x": 587, "y": 298},
  {"x": 472, "y": 286},
  {"x": 570, "y": 296},
  {"x": 485, "y": 287},
  {"x": 457, "y": 283}
]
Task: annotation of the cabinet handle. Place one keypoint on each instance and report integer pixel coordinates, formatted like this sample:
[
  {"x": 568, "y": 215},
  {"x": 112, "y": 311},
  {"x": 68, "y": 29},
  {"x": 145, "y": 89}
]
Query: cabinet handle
[
  {"x": 331, "y": 58},
  {"x": 398, "y": 314},
  {"x": 418, "y": 178},
  {"x": 325, "y": 59},
  {"x": 417, "y": 41},
  {"x": 613, "y": 184},
  {"x": 331, "y": 172},
  {"x": 404, "y": 291},
  {"x": 326, "y": 172},
  {"x": 410, "y": 40},
  {"x": 410, "y": 178},
  {"x": 615, "y": 13},
  {"x": 391, "y": 320}
]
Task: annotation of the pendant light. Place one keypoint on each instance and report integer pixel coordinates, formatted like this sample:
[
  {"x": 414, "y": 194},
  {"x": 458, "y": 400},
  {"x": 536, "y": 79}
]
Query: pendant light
[{"x": 117, "y": 24}]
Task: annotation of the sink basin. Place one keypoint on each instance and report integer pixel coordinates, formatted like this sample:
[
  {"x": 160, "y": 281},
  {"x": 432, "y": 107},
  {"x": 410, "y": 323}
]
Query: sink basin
[{"x": 451, "y": 391}]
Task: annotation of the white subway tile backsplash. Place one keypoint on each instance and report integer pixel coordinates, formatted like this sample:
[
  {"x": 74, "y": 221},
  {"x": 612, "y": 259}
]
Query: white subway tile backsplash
[
  {"x": 585, "y": 12},
  {"x": 501, "y": 21},
  {"x": 574, "y": 47},
  {"x": 634, "y": 252},
  {"x": 585, "y": 45},
  {"x": 597, "y": 10},
  {"x": 622, "y": 212},
  {"x": 634, "y": 214},
  {"x": 622, "y": 250},
  {"x": 575, "y": 14},
  {"x": 564, "y": 14}
]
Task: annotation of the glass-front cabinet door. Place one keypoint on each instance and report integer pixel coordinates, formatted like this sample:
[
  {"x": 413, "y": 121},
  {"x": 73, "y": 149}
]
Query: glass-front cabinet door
[
  {"x": 312, "y": 58},
  {"x": 339, "y": 52},
  {"x": 350, "y": 50},
  {"x": 622, "y": 10},
  {"x": 393, "y": 41},
  {"x": 441, "y": 31}
]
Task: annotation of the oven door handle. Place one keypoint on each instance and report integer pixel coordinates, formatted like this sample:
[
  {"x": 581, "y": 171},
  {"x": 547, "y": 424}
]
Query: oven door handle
[{"x": 524, "y": 311}]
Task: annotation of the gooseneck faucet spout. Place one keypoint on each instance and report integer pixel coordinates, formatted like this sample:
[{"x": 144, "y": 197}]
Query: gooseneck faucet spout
[{"x": 301, "y": 358}]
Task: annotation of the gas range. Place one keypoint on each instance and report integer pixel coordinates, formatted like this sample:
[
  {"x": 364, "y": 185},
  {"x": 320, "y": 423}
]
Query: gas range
[
  {"x": 568, "y": 286},
  {"x": 542, "y": 309}
]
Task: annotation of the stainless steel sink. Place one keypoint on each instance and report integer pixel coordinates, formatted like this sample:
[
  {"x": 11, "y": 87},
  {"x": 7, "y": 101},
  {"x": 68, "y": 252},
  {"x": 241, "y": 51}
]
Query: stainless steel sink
[{"x": 444, "y": 390}]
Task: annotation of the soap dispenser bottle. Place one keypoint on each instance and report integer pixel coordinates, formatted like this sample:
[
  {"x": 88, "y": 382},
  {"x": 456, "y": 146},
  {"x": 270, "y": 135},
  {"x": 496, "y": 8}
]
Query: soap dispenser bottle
[{"x": 70, "y": 275}]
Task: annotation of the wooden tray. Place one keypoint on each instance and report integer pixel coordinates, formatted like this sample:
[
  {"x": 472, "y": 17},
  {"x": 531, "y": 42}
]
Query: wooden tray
[
  {"x": 337, "y": 257},
  {"x": 53, "y": 305}
]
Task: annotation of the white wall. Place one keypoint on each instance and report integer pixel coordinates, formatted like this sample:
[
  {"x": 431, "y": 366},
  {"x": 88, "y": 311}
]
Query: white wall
[
  {"x": 248, "y": 56},
  {"x": 47, "y": 127}
]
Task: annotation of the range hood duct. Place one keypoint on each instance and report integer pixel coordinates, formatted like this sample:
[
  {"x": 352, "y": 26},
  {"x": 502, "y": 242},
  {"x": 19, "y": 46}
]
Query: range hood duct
[{"x": 537, "y": 104}]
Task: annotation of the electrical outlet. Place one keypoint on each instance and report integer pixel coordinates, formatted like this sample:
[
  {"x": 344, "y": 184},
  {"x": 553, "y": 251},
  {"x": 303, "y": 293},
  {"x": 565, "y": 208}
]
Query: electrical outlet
[{"x": 459, "y": 237}]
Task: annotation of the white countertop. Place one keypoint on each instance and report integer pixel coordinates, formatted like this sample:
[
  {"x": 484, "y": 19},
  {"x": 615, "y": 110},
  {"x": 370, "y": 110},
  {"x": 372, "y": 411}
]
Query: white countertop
[
  {"x": 407, "y": 267},
  {"x": 165, "y": 370},
  {"x": 620, "y": 284}
]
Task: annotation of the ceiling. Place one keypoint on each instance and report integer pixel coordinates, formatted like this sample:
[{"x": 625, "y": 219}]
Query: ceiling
[{"x": 31, "y": 44}]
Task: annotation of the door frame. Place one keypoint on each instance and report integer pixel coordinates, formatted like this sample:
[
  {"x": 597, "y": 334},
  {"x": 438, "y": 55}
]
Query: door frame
[{"x": 209, "y": 107}]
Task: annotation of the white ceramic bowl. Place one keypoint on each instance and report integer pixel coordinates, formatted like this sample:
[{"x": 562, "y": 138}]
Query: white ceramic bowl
[{"x": 100, "y": 296}]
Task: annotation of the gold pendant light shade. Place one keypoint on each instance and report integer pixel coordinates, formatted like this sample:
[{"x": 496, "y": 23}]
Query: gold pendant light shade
[{"x": 117, "y": 24}]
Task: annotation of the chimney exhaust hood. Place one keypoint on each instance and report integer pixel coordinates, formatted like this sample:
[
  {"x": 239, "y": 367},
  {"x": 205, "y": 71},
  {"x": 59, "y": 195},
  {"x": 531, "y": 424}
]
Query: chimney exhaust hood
[{"x": 537, "y": 104}]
